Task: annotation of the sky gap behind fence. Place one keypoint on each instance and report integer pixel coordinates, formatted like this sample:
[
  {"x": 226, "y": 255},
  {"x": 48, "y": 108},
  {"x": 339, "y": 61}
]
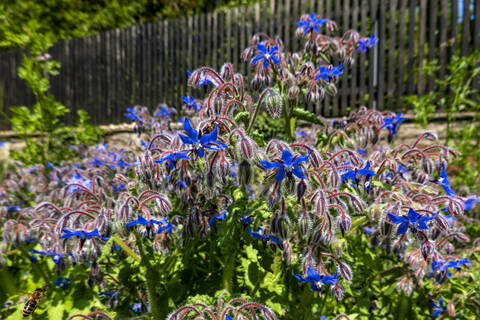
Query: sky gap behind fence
[{"x": 147, "y": 64}]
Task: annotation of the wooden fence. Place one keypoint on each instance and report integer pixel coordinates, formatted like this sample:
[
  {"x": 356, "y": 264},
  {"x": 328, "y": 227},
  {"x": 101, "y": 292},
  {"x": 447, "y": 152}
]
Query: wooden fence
[{"x": 147, "y": 64}]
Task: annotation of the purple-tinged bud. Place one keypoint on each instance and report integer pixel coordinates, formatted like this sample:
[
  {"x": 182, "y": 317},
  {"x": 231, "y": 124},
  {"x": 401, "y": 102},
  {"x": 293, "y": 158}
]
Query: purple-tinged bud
[
  {"x": 247, "y": 147},
  {"x": 293, "y": 92},
  {"x": 222, "y": 167},
  {"x": 317, "y": 236},
  {"x": 345, "y": 271},
  {"x": 449, "y": 248},
  {"x": 455, "y": 207},
  {"x": 225, "y": 71},
  {"x": 427, "y": 248},
  {"x": 337, "y": 291},
  {"x": 327, "y": 238},
  {"x": 357, "y": 205},
  {"x": 435, "y": 233},
  {"x": 256, "y": 82},
  {"x": 194, "y": 79},
  {"x": 439, "y": 164},
  {"x": 386, "y": 228},
  {"x": 343, "y": 223},
  {"x": 334, "y": 179},
  {"x": 462, "y": 237},
  {"x": 321, "y": 205},
  {"x": 304, "y": 225},
  {"x": 287, "y": 254},
  {"x": 421, "y": 177},
  {"x": 273, "y": 103},
  {"x": 334, "y": 45},
  {"x": 441, "y": 222},
  {"x": 374, "y": 241},
  {"x": 164, "y": 205},
  {"x": 427, "y": 165},
  {"x": 301, "y": 189},
  {"x": 315, "y": 158}
]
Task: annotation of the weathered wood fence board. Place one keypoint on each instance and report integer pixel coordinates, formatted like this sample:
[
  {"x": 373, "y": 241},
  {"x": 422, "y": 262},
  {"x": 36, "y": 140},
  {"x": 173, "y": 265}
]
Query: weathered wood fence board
[{"x": 148, "y": 64}]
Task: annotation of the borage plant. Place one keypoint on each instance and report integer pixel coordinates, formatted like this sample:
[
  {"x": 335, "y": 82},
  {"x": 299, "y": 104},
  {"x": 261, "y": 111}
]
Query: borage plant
[{"x": 201, "y": 208}]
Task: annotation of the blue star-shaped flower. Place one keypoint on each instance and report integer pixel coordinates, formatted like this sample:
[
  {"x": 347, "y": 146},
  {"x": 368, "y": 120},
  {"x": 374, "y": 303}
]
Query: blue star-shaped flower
[
  {"x": 62, "y": 283},
  {"x": 446, "y": 183},
  {"x": 363, "y": 44},
  {"x": 438, "y": 309},
  {"x": 168, "y": 228},
  {"x": 261, "y": 235},
  {"x": 108, "y": 294},
  {"x": 327, "y": 73},
  {"x": 311, "y": 24},
  {"x": 414, "y": 220},
  {"x": 190, "y": 103},
  {"x": 130, "y": 114},
  {"x": 285, "y": 165},
  {"x": 205, "y": 80},
  {"x": 267, "y": 55},
  {"x": 55, "y": 255},
  {"x": 97, "y": 162},
  {"x": 208, "y": 141},
  {"x": 470, "y": 203},
  {"x": 221, "y": 216},
  {"x": 118, "y": 188},
  {"x": 392, "y": 123},
  {"x": 316, "y": 280},
  {"x": 81, "y": 234},
  {"x": 173, "y": 157},
  {"x": 163, "y": 112},
  {"x": 356, "y": 173},
  {"x": 149, "y": 223},
  {"x": 77, "y": 179},
  {"x": 246, "y": 220}
]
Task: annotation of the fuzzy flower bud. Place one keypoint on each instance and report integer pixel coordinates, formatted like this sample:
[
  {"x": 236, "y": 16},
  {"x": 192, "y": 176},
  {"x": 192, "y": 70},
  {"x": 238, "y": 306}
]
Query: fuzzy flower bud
[
  {"x": 427, "y": 248},
  {"x": 273, "y": 103},
  {"x": 344, "y": 222}
]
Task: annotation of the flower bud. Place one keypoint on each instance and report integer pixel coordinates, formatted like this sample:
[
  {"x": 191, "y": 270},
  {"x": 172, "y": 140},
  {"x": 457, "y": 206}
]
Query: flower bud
[
  {"x": 245, "y": 172},
  {"x": 289, "y": 183},
  {"x": 223, "y": 167},
  {"x": 441, "y": 222},
  {"x": 315, "y": 158},
  {"x": 304, "y": 225},
  {"x": 337, "y": 291},
  {"x": 427, "y": 249},
  {"x": 293, "y": 92},
  {"x": 287, "y": 254},
  {"x": 345, "y": 271},
  {"x": 284, "y": 227},
  {"x": 246, "y": 147},
  {"x": 386, "y": 228},
  {"x": 301, "y": 189},
  {"x": 344, "y": 223},
  {"x": 427, "y": 165},
  {"x": 273, "y": 103},
  {"x": 455, "y": 207}
]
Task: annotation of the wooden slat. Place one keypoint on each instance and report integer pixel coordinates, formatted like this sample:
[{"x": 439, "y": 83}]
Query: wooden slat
[
  {"x": 402, "y": 31},
  {"x": 373, "y": 56},
  {"x": 411, "y": 45},
  {"x": 443, "y": 37},
  {"x": 165, "y": 62},
  {"x": 229, "y": 39},
  {"x": 236, "y": 34},
  {"x": 432, "y": 43},
  {"x": 344, "y": 80},
  {"x": 454, "y": 28},
  {"x": 243, "y": 44},
  {"x": 381, "y": 56},
  {"x": 466, "y": 28},
  {"x": 325, "y": 105},
  {"x": 421, "y": 46},
  {"x": 391, "y": 53},
  {"x": 476, "y": 27},
  {"x": 271, "y": 20},
  {"x": 355, "y": 67},
  {"x": 215, "y": 31},
  {"x": 362, "y": 70},
  {"x": 286, "y": 25}
]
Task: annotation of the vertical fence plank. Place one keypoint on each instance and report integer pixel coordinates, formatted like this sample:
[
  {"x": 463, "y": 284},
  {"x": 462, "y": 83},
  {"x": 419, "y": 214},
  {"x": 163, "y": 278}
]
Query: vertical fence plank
[
  {"x": 466, "y": 28},
  {"x": 391, "y": 53},
  {"x": 381, "y": 56},
  {"x": 476, "y": 26},
  {"x": 286, "y": 25},
  {"x": 411, "y": 45},
  {"x": 355, "y": 67},
  {"x": 402, "y": 31},
  {"x": 421, "y": 46},
  {"x": 374, "y": 57},
  {"x": 362, "y": 76},
  {"x": 326, "y": 101},
  {"x": 432, "y": 36},
  {"x": 345, "y": 83},
  {"x": 443, "y": 37}
]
